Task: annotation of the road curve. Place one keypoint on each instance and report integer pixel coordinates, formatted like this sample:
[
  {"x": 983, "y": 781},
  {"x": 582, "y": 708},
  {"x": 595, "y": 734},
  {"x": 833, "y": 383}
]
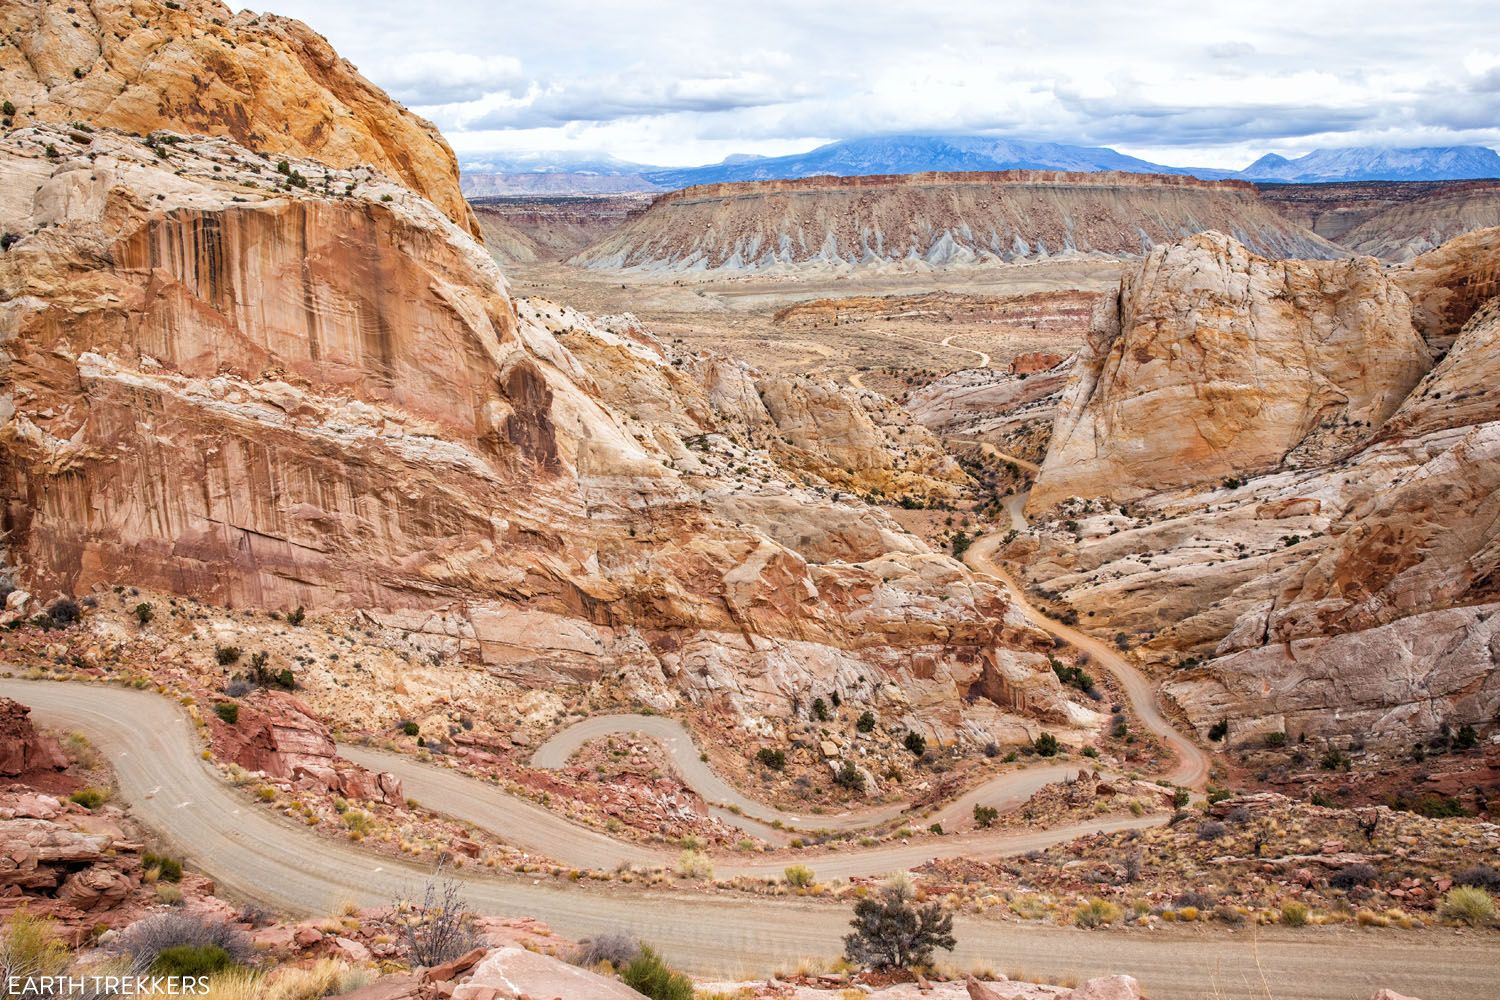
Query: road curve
[
  {"x": 1193, "y": 763},
  {"x": 984, "y": 359},
  {"x": 257, "y": 855}
]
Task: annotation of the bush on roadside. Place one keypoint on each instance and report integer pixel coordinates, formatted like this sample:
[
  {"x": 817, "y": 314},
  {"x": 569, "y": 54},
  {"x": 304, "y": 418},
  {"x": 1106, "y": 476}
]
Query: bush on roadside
[
  {"x": 650, "y": 975},
  {"x": 191, "y": 960},
  {"x": 147, "y": 939},
  {"x": 1470, "y": 905},
  {"x": 1096, "y": 913},
  {"x": 799, "y": 876},
  {"x": 614, "y": 948},
  {"x": 168, "y": 869},
  {"x": 1293, "y": 913}
]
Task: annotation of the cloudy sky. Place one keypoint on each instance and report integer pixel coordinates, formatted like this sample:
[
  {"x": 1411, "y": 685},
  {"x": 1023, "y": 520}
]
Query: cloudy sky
[{"x": 676, "y": 83}]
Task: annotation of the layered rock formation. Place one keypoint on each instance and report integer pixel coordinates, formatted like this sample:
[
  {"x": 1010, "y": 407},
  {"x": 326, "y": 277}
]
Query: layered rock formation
[
  {"x": 266, "y": 391},
  {"x": 1392, "y": 220},
  {"x": 523, "y": 230},
  {"x": 940, "y": 219},
  {"x": 1212, "y": 362},
  {"x": 1331, "y": 592},
  {"x": 270, "y": 83},
  {"x": 22, "y": 748}
]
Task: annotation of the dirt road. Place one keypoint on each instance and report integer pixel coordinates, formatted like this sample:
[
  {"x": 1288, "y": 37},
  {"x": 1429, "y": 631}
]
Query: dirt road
[{"x": 257, "y": 855}]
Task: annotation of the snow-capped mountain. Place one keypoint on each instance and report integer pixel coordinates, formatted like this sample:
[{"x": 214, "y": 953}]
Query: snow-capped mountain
[{"x": 1370, "y": 163}]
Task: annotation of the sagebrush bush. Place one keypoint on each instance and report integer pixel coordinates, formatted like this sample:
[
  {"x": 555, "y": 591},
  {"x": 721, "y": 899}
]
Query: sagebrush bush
[
  {"x": 1352, "y": 875},
  {"x": 168, "y": 869},
  {"x": 89, "y": 798},
  {"x": 191, "y": 960},
  {"x": 146, "y": 939},
  {"x": 1479, "y": 876},
  {"x": 615, "y": 948},
  {"x": 1293, "y": 913}
]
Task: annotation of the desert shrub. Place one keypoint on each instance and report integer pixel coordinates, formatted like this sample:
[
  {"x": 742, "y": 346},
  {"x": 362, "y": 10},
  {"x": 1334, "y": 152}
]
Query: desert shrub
[
  {"x": 775, "y": 759},
  {"x": 1469, "y": 905},
  {"x": 866, "y": 722},
  {"x": 238, "y": 688},
  {"x": 1352, "y": 875},
  {"x": 1218, "y": 730},
  {"x": 1193, "y": 899},
  {"x": 916, "y": 743},
  {"x": 1275, "y": 739},
  {"x": 820, "y": 709},
  {"x": 296, "y": 616},
  {"x": 1466, "y": 738},
  {"x": 618, "y": 949},
  {"x": 1181, "y": 797},
  {"x": 649, "y": 975},
  {"x": 144, "y": 614},
  {"x": 439, "y": 927},
  {"x": 1211, "y": 830},
  {"x": 168, "y": 869},
  {"x": 64, "y": 612},
  {"x": 147, "y": 939},
  {"x": 225, "y": 655},
  {"x": 850, "y": 777},
  {"x": 1333, "y": 760},
  {"x": 30, "y": 947},
  {"x": 410, "y": 728},
  {"x": 1045, "y": 745},
  {"x": 90, "y": 798},
  {"x": 985, "y": 816},
  {"x": 1479, "y": 876},
  {"x": 1293, "y": 913},
  {"x": 694, "y": 864},
  {"x": 891, "y": 930},
  {"x": 191, "y": 960},
  {"x": 1431, "y": 804},
  {"x": 228, "y": 711},
  {"x": 800, "y": 876},
  {"x": 1096, "y": 913}
]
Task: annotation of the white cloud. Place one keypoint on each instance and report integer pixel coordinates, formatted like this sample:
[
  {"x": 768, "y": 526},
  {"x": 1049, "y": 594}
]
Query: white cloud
[{"x": 681, "y": 81}]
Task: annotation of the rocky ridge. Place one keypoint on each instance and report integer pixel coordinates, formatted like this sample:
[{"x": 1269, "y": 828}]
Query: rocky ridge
[
  {"x": 1330, "y": 575},
  {"x": 270, "y": 83},
  {"x": 939, "y": 219}
]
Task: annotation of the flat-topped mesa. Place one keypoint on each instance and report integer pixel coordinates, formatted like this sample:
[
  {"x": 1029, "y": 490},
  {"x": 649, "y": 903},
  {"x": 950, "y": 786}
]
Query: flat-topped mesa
[
  {"x": 270, "y": 83},
  {"x": 937, "y": 219}
]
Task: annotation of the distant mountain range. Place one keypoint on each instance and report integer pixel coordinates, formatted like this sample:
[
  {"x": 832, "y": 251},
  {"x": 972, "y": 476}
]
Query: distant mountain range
[{"x": 906, "y": 154}]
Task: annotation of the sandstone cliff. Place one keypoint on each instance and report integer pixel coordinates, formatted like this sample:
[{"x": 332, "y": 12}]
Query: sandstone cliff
[
  {"x": 270, "y": 83},
  {"x": 267, "y": 393},
  {"x": 1392, "y": 220},
  {"x": 940, "y": 219},
  {"x": 1335, "y": 592},
  {"x": 1213, "y": 362}
]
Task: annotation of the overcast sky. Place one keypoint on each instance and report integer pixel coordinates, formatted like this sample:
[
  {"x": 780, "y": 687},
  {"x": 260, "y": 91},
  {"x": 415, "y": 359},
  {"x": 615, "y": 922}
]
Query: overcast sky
[{"x": 1200, "y": 83}]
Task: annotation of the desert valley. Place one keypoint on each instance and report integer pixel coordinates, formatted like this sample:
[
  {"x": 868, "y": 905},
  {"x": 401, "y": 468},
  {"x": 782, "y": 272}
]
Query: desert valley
[{"x": 428, "y": 584}]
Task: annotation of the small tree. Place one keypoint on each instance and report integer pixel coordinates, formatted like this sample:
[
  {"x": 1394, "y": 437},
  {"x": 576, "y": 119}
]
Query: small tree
[
  {"x": 985, "y": 816},
  {"x": 850, "y": 777},
  {"x": 893, "y": 931},
  {"x": 144, "y": 613},
  {"x": 1045, "y": 745},
  {"x": 866, "y": 722},
  {"x": 439, "y": 927},
  {"x": 916, "y": 743}
]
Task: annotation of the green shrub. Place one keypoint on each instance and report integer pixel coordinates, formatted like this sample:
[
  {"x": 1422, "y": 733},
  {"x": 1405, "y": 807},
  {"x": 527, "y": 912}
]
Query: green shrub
[
  {"x": 866, "y": 722},
  {"x": 891, "y": 930},
  {"x": 1045, "y": 745},
  {"x": 774, "y": 759},
  {"x": 649, "y": 975},
  {"x": 1469, "y": 905},
  {"x": 144, "y": 614},
  {"x": 1466, "y": 738},
  {"x": 916, "y": 743},
  {"x": 169, "y": 867},
  {"x": 820, "y": 709},
  {"x": 800, "y": 876},
  {"x": 1218, "y": 730},
  {"x": 191, "y": 960},
  {"x": 31, "y": 947},
  {"x": 410, "y": 728},
  {"x": 296, "y": 615},
  {"x": 8, "y": 109},
  {"x": 228, "y": 711},
  {"x": 89, "y": 798},
  {"x": 1293, "y": 913},
  {"x": 1181, "y": 797},
  {"x": 850, "y": 777},
  {"x": 226, "y": 655},
  {"x": 985, "y": 816},
  {"x": 1096, "y": 913}
]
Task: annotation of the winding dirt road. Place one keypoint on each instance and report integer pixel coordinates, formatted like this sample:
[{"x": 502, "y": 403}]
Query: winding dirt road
[
  {"x": 984, "y": 359},
  {"x": 255, "y": 854}
]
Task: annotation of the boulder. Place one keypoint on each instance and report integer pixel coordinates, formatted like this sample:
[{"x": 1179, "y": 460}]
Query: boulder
[
  {"x": 22, "y": 748},
  {"x": 515, "y": 971},
  {"x": 1107, "y": 988}
]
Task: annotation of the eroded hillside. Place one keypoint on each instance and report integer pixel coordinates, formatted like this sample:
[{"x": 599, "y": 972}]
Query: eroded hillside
[{"x": 940, "y": 219}]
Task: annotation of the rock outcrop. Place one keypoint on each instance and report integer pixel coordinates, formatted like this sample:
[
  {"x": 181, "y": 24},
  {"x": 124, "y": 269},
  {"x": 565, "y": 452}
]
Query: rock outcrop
[
  {"x": 277, "y": 735},
  {"x": 938, "y": 219},
  {"x": 1213, "y": 362},
  {"x": 1392, "y": 220},
  {"x": 268, "y": 394},
  {"x": 270, "y": 83},
  {"x": 1342, "y": 590},
  {"x": 22, "y": 748}
]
